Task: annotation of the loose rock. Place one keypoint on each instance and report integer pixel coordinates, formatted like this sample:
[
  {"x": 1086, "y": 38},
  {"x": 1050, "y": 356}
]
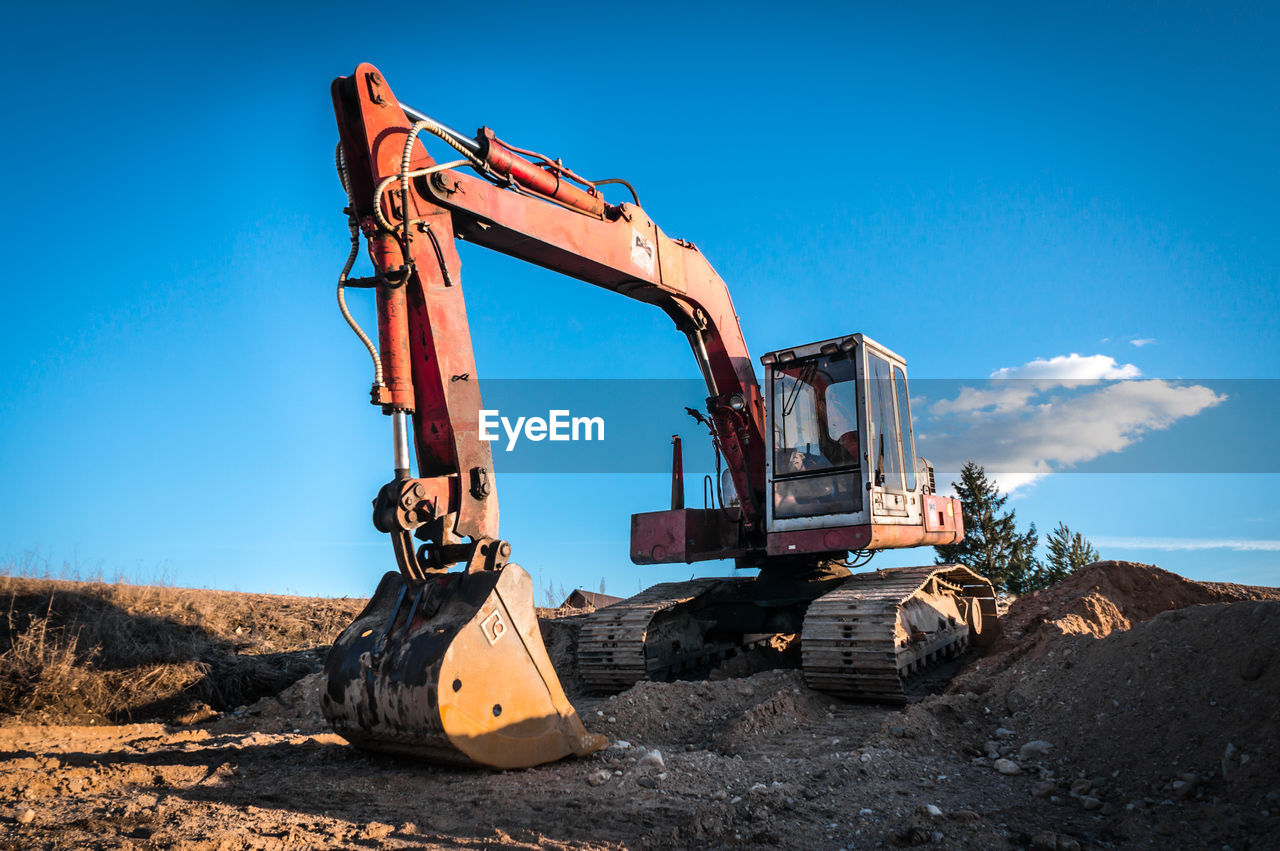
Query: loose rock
[
  {"x": 1230, "y": 761},
  {"x": 1007, "y": 766},
  {"x": 376, "y": 830},
  {"x": 1034, "y": 749},
  {"x": 1050, "y": 841}
]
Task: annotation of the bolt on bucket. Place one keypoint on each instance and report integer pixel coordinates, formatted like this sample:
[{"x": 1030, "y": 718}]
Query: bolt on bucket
[{"x": 452, "y": 669}]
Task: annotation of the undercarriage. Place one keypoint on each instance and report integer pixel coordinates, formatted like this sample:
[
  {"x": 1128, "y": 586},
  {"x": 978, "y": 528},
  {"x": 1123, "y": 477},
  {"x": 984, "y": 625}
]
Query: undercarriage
[{"x": 860, "y": 637}]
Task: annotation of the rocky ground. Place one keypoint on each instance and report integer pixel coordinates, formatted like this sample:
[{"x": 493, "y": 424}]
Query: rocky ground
[{"x": 1125, "y": 707}]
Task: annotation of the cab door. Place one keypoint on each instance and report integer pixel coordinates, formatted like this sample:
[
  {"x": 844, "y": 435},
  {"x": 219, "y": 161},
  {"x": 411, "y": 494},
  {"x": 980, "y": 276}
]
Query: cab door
[{"x": 892, "y": 456}]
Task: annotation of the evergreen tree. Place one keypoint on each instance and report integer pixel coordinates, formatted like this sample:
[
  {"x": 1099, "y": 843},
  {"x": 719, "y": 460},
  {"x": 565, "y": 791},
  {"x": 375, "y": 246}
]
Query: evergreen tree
[
  {"x": 1068, "y": 552},
  {"x": 1025, "y": 571},
  {"x": 992, "y": 545}
]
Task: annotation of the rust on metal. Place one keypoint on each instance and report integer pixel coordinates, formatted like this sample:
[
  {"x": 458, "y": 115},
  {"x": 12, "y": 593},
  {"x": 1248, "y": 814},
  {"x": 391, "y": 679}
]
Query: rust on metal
[
  {"x": 863, "y": 640},
  {"x": 870, "y": 536},
  {"x": 454, "y": 670},
  {"x": 685, "y": 535}
]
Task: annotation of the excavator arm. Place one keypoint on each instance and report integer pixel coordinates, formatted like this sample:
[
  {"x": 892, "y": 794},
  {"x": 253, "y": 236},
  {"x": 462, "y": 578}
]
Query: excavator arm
[{"x": 539, "y": 215}]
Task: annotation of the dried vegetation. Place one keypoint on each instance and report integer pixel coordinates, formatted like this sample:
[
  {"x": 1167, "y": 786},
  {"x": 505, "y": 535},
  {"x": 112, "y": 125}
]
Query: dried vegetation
[{"x": 94, "y": 651}]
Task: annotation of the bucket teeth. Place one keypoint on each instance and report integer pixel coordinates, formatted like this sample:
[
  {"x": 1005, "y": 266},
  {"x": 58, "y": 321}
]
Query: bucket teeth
[{"x": 453, "y": 670}]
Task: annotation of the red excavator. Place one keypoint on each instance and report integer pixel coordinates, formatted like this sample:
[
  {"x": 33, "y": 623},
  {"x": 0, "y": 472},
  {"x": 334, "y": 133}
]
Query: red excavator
[{"x": 447, "y": 661}]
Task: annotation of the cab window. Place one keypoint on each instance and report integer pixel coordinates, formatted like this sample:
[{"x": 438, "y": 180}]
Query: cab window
[
  {"x": 815, "y": 413},
  {"x": 815, "y": 437},
  {"x": 904, "y": 417},
  {"x": 886, "y": 457}
]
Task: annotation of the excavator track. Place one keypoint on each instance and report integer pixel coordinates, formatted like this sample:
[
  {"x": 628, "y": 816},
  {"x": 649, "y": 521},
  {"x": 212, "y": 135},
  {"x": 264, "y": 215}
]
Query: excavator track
[
  {"x": 612, "y": 653},
  {"x": 864, "y": 639},
  {"x": 860, "y": 641}
]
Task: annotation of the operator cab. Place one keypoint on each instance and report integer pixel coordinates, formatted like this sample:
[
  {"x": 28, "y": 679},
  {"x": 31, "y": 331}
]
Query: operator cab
[
  {"x": 840, "y": 468},
  {"x": 839, "y": 423}
]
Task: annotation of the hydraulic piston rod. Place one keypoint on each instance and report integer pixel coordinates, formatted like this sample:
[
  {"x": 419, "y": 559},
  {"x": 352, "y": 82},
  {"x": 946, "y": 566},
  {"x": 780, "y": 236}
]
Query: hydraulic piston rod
[
  {"x": 400, "y": 436},
  {"x": 465, "y": 141}
]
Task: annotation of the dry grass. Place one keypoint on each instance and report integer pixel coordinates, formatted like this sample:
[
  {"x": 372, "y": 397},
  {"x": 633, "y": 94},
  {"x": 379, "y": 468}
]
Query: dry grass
[{"x": 117, "y": 652}]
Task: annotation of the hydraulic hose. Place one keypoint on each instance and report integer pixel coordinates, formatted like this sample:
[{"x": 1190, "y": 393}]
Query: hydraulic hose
[{"x": 354, "y": 226}]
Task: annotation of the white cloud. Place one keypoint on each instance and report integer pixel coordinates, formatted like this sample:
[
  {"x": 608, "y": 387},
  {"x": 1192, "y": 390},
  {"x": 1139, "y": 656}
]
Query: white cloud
[
  {"x": 1156, "y": 543},
  {"x": 1142, "y": 341},
  {"x": 1012, "y": 483},
  {"x": 1061, "y": 413},
  {"x": 1072, "y": 367},
  {"x": 998, "y": 398},
  {"x": 1069, "y": 430},
  {"x": 1013, "y": 387}
]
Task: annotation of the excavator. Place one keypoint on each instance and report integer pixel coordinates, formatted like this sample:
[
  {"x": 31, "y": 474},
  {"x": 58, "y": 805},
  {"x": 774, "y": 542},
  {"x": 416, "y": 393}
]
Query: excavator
[{"x": 447, "y": 662}]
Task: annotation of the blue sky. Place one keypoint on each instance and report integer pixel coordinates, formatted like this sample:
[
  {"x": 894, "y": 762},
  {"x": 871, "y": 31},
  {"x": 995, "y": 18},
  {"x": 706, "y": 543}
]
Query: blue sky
[{"x": 978, "y": 187}]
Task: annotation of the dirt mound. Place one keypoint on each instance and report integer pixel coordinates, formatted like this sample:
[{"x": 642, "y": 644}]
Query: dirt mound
[
  {"x": 776, "y": 714},
  {"x": 1097, "y": 600},
  {"x": 1111, "y": 595},
  {"x": 1188, "y": 695},
  {"x": 1140, "y": 695},
  {"x": 294, "y": 710},
  {"x": 727, "y": 715}
]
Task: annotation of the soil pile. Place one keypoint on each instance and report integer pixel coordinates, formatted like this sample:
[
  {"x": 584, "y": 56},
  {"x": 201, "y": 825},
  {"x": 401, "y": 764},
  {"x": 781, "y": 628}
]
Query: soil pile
[
  {"x": 730, "y": 716},
  {"x": 1111, "y": 595},
  {"x": 1140, "y": 694},
  {"x": 294, "y": 710},
  {"x": 1189, "y": 696},
  {"x": 1096, "y": 601}
]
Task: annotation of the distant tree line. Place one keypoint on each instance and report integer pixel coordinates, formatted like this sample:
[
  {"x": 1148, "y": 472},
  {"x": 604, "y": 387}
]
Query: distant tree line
[{"x": 994, "y": 548}]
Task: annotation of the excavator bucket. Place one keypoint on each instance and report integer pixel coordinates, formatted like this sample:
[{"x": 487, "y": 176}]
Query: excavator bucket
[{"x": 453, "y": 669}]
